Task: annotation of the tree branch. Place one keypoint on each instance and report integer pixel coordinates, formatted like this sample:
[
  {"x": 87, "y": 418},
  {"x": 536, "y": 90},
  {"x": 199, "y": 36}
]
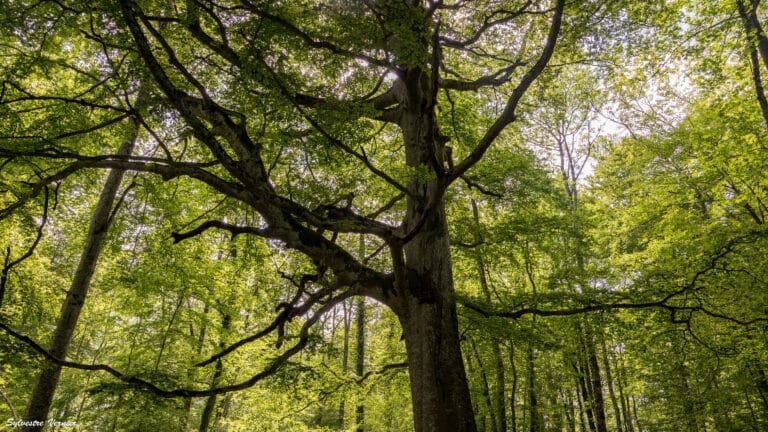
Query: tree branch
[{"x": 508, "y": 115}]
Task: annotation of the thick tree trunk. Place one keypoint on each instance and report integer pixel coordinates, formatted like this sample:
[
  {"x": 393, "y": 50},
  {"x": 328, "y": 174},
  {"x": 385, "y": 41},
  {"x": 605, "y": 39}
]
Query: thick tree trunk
[
  {"x": 40, "y": 402},
  {"x": 427, "y": 314},
  {"x": 425, "y": 303},
  {"x": 438, "y": 381}
]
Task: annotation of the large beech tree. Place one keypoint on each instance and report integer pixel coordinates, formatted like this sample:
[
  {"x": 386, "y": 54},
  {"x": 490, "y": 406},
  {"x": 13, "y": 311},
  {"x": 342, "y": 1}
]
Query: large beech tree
[
  {"x": 291, "y": 159},
  {"x": 320, "y": 119}
]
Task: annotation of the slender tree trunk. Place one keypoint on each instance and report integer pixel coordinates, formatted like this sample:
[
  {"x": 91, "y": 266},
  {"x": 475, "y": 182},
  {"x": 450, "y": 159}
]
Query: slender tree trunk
[
  {"x": 581, "y": 372},
  {"x": 689, "y": 410},
  {"x": 536, "y": 423},
  {"x": 761, "y": 382},
  {"x": 580, "y": 402},
  {"x": 210, "y": 403},
  {"x": 164, "y": 340},
  {"x": 609, "y": 382},
  {"x": 486, "y": 390},
  {"x": 512, "y": 401},
  {"x": 499, "y": 410},
  {"x": 499, "y": 394},
  {"x": 596, "y": 384},
  {"x": 568, "y": 409},
  {"x": 637, "y": 418},
  {"x": 360, "y": 360},
  {"x": 40, "y": 402},
  {"x": 344, "y": 356},
  {"x": 626, "y": 414},
  {"x": 758, "y": 47}
]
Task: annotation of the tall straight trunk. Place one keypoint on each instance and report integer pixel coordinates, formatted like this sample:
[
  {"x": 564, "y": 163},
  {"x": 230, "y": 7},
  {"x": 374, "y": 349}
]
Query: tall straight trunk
[
  {"x": 609, "y": 383},
  {"x": 586, "y": 405},
  {"x": 626, "y": 414},
  {"x": 758, "y": 48},
  {"x": 568, "y": 409},
  {"x": 512, "y": 409},
  {"x": 761, "y": 382},
  {"x": 40, "y": 401},
  {"x": 580, "y": 403},
  {"x": 344, "y": 356},
  {"x": 690, "y": 415},
  {"x": 637, "y": 418},
  {"x": 486, "y": 390},
  {"x": 536, "y": 423},
  {"x": 596, "y": 384},
  {"x": 498, "y": 395},
  {"x": 360, "y": 359}
]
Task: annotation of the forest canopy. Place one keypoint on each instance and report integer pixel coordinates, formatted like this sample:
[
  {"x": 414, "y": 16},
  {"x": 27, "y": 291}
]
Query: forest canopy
[{"x": 383, "y": 215}]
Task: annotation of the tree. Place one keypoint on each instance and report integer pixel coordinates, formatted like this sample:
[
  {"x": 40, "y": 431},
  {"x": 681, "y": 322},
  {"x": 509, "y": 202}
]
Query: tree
[{"x": 265, "y": 91}]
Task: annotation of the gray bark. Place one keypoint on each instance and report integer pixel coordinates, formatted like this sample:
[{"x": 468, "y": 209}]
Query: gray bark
[
  {"x": 425, "y": 303},
  {"x": 40, "y": 401}
]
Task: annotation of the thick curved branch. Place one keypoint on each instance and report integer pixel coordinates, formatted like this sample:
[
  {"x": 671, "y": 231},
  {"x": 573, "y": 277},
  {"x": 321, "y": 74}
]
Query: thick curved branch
[
  {"x": 196, "y": 112},
  {"x": 166, "y": 169},
  {"x": 508, "y": 115},
  {"x": 361, "y": 156}
]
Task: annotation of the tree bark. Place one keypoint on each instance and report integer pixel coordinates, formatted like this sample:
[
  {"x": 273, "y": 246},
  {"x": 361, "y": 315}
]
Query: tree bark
[
  {"x": 596, "y": 384},
  {"x": 513, "y": 391},
  {"x": 439, "y": 389},
  {"x": 758, "y": 44},
  {"x": 40, "y": 401},
  {"x": 586, "y": 405},
  {"x": 627, "y": 415},
  {"x": 425, "y": 303},
  {"x": 609, "y": 382},
  {"x": 536, "y": 423},
  {"x": 344, "y": 356},
  {"x": 360, "y": 360}
]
